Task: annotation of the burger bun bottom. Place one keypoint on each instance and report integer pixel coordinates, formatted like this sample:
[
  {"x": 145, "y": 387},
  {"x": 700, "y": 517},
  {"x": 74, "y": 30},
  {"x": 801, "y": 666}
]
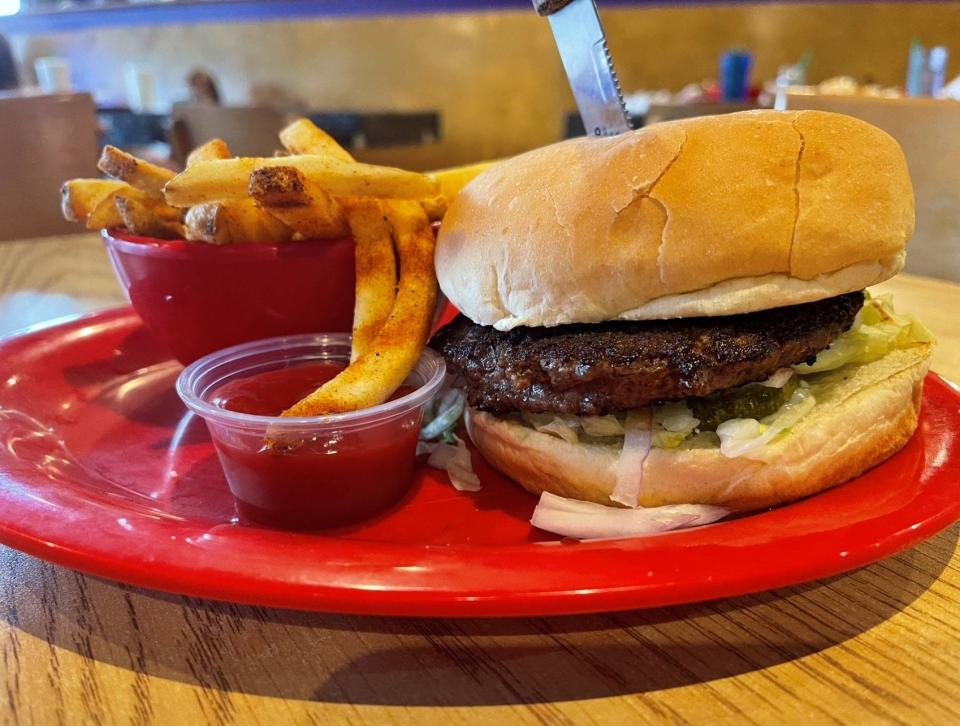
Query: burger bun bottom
[{"x": 864, "y": 414}]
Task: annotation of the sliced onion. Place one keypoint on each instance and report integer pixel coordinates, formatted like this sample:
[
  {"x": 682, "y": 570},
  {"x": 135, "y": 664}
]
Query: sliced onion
[
  {"x": 676, "y": 416},
  {"x": 450, "y": 407},
  {"x": 747, "y": 437},
  {"x": 637, "y": 442},
  {"x": 559, "y": 429},
  {"x": 601, "y": 426},
  {"x": 587, "y": 520},
  {"x": 455, "y": 460},
  {"x": 779, "y": 378}
]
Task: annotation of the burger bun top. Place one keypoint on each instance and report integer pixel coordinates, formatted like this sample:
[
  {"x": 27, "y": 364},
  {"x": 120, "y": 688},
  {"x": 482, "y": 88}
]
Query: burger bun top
[{"x": 706, "y": 216}]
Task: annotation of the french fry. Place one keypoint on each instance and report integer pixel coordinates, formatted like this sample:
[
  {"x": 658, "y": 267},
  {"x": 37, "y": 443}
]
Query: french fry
[
  {"x": 452, "y": 180},
  {"x": 233, "y": 222},
  {"x": 80, "y": 197},
  {"x": 278, "y": 186},
  {"x": 237, "y": 221},
  {"x": 286, "y": 194},
  {"x": 93, "y": 202},
  {"x": 305, "y": 137},
  {"x": 213, "y": 149},
  {"x": 376, "y": 374},
  {"x": 321, "y": 218},
  {"x": 376, "y": 265},
  {"x": 106, "y": 213},
  {"x": 148, "y": 178},
  {"x": 139, "y": 212},
  {"x": 224, "y": 179},
  {"x": 435, "y": 207},
  {"x": 140, "y": 216}
]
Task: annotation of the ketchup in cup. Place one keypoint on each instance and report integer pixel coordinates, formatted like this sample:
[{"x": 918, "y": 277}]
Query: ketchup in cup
[{"x": 316, "y": 472}]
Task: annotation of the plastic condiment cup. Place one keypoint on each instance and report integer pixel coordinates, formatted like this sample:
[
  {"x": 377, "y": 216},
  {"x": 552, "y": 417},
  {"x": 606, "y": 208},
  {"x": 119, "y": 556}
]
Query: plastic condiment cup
[{"x": 332, "y": 470}]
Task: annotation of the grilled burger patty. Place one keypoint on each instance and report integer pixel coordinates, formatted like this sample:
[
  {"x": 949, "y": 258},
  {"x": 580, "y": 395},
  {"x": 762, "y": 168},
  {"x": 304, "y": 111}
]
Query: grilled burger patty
[{"x": 598, "y": 368}]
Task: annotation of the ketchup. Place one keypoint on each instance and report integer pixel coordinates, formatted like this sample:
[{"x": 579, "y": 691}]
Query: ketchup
[{"x": 331, "y": 477}]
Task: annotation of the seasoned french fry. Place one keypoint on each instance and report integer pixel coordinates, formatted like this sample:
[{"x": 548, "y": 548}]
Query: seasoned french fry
[
  {"x": 141, "y": 217},
  {"x": 435, "y": 207},
  {"x": 93, "y": 202},
  {"x": 286, "y": 194},
  {"x": 376, "y": 265},
  {"x": 320, "y": 218},
  {"x": 201, "y": 223},
  {"x": 213, "y": 149},
  {"x": 376, "y": 374},
  {"x": 278, "y": 186},
  {"x": 79, "y": 197},
  {"x": 224, "y": 179},
  {"x": 211, "y": 181},
  {"x": 143, "y": 175},
  {"x": 305, "y": 137},
  {"x": 106, "y": 213},
  {"x": 237, "y": 222},
  {"x": 452, "y": 180}
]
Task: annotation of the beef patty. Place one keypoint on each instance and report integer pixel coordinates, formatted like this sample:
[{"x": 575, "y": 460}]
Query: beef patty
[{"x": 594, "y": 369}]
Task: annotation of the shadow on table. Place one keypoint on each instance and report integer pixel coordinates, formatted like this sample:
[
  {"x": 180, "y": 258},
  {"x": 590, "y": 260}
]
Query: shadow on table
[{"x": 414, "y": 662}]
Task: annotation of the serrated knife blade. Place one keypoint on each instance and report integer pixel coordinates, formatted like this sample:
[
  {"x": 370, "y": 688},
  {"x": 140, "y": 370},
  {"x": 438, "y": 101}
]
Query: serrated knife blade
[{"x": 586, "y": 59}]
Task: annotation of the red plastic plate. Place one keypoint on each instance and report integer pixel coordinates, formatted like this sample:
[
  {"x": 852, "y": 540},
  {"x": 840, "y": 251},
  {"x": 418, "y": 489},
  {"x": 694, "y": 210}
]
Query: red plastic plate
[{"x": 102, "y": 470}]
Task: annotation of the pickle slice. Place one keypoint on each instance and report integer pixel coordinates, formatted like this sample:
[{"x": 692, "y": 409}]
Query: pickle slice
[{"x": 750, "y": 401}]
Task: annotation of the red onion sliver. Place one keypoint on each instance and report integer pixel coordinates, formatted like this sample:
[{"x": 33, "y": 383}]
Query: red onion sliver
[
  {"x": 779, "y": 378},
  {"x": 637, "y": 442},
  {"x": 455, "y": 460},
  {"x": 587, "y": 520}
]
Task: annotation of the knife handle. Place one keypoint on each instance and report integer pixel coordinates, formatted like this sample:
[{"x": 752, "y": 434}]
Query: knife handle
[{"x": 549, "y": 7}]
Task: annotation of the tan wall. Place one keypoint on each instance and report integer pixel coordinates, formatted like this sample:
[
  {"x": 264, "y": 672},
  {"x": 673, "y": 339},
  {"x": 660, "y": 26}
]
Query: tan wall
[{"x": 495, "y": 77}]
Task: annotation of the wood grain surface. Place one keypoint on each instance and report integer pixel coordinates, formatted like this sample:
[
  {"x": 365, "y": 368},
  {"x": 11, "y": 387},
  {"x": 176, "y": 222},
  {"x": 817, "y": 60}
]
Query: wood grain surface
[{"x": 878, "y": 645}]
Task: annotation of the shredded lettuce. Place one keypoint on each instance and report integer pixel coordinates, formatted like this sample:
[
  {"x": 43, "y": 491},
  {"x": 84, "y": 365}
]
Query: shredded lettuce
[
  {"x": 443, "y": 415},
  {"x": 779, "y": 378},
  {"x": 450, "y": 453},
  {"x": 454, "y": 458},
  {"x": 876, "y": 331},
  {"x": 569, "y": 428},
  {"x": 563, "y": 427},
  {"x": 672, "y": 424},
  {"x": 559, "y": 428},
  {"x": 600, "y": 426},
  {"x": 747, "y": 436},
  {"x": 701, "y": 440}
]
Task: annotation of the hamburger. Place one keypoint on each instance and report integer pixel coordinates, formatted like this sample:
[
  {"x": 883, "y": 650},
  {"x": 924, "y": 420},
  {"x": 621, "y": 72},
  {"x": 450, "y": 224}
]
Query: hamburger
[{"x": 678, "y": 315}]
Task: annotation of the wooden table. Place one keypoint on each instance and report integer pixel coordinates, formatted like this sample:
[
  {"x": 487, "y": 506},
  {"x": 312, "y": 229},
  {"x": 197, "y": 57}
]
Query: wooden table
[{"x": 878, "y": 645}]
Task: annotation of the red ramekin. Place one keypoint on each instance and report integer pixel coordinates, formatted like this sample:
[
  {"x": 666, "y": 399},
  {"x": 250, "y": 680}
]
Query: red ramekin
[{"x": 197, "y": 298}]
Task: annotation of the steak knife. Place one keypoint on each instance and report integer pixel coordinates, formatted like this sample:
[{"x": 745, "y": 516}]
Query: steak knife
[{"x": 586, "y": 59}]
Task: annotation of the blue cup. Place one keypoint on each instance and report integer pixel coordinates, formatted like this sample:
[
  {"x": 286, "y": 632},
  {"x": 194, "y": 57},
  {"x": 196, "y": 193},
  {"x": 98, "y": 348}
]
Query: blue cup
[{"x": 735, "y": 66}]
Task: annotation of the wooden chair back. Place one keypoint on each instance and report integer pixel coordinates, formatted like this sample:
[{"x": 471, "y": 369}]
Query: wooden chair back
[
  {"x": 929, "y": 132},
  {"x": 44, "y": 140},
  {"x": 248, "y": 130}
]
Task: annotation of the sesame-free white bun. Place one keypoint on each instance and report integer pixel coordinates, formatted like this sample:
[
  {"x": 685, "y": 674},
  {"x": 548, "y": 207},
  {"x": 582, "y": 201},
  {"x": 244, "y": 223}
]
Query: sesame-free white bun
[
  {"x": 705, "y": 216},
  {"x": 863, "y": 416}
]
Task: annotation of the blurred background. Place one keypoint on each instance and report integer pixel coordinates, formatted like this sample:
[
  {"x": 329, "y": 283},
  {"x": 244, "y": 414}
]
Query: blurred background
[{"x": 430, "y": 84}]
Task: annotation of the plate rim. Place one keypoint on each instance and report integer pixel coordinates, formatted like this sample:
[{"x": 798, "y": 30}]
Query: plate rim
[{"x": 412, "y": 600}]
